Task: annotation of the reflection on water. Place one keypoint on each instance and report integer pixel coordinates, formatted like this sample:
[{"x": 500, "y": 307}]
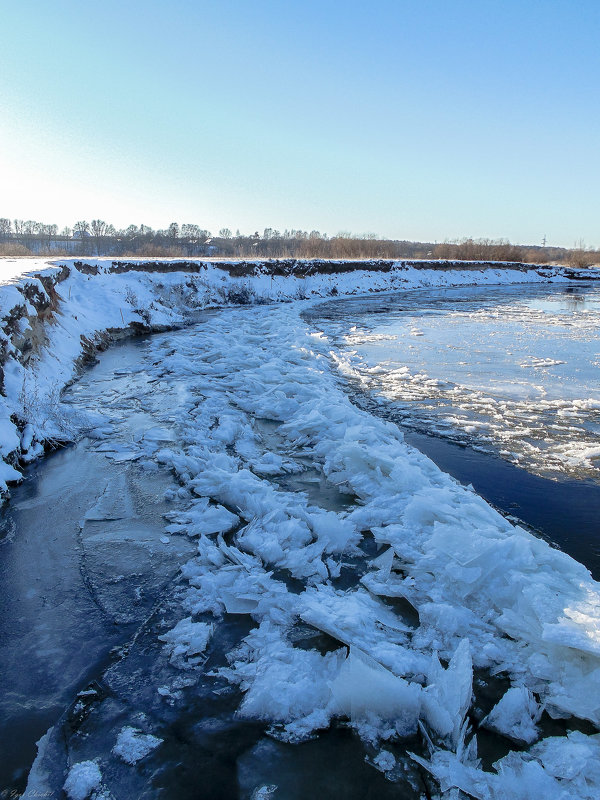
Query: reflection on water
[{"x": 571, "y": 299}]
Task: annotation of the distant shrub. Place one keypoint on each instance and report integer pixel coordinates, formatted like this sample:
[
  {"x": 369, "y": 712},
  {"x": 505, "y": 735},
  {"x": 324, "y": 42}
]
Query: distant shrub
[
  {"x": 14, "y": 249},
  {"x": 240, "y": 295},
  {"x": 158, "y": 251},
  {"x": 479, "y": 250},
  {"x": 583, "y": 258}
]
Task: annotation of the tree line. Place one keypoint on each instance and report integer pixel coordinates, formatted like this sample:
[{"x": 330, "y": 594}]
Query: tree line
[{"x": 99, "y": 238}]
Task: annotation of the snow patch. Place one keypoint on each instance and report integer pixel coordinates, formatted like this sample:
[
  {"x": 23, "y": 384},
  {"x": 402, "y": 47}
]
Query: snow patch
[
  {"x": 83, "y": 781},
  {"x": 133, "y": 745}
]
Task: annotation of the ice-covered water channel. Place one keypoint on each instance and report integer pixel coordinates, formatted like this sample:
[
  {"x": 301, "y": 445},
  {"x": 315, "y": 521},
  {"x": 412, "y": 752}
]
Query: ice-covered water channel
[
  {"x": 311, "y": 613},
  {"x": 499, "y": 386},
  {"x": 511, "y": 370}
]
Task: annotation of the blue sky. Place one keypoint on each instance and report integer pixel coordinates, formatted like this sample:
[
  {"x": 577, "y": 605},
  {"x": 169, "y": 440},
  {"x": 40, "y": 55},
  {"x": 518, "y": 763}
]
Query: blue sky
[{"x": 420, "y": 120}]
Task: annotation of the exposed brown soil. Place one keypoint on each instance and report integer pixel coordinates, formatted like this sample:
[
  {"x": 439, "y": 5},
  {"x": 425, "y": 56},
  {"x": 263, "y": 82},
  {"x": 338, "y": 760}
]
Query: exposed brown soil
[{"x": 300, "y": 268}]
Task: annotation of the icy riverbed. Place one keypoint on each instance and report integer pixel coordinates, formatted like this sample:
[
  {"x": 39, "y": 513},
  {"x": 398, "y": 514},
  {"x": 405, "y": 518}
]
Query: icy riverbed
[
  {"x": 347, "y": 603},
  {"x": 83, "y": 557}
]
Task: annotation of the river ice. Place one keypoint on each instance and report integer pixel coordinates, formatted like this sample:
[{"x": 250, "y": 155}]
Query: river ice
[
  {"x": 511, "y": 371},
  {"x": 387, "y": 604}
]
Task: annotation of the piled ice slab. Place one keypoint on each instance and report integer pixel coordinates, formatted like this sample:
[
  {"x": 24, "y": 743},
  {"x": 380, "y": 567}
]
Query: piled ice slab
[{"x": 476, "y": 590}]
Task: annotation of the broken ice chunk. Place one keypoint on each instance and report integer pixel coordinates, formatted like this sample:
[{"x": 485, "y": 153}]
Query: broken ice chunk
[
  {"x": 83, "y": 779},
  {"x": 284, "y": 684},
  {"x": 384, "y": 562},
  {"x": 158, "y": 435},
  {"x": 239, "y": 603},
  {"x": 187, "y": 640},
  {"x": 577, "y": 628},
  {"x": 124, "y": 455},
  {"x": 364, "y": 690},
  {"x": 447, "y": 696},
  {"x": 335, "y": 533},
  {"x": 384, "y": 761},
  {"x": 133, "y": 745},
  {"x": 269, "y": 464},
  {"x": 264, "y": 792},
  {"x": 515, "y": 715},
  {"x": 202, "y": 518},
  {"x": 568, "y": 758}
]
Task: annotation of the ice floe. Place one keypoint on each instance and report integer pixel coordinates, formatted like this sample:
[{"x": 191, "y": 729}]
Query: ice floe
[
  {"x": 84, "y": 780},
  {"x": 132, "y": 745}
]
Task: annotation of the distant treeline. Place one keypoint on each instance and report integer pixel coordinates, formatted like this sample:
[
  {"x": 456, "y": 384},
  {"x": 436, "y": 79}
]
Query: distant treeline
[{"x": 99, "y": 238}]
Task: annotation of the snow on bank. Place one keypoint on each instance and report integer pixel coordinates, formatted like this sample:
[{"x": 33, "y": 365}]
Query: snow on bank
[{"x": 52, "y": 315}]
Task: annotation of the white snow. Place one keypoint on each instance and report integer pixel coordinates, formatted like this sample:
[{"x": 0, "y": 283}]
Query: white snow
[
  {"x": 83, "y": 781},
  {"x": 132, "y": 745}
]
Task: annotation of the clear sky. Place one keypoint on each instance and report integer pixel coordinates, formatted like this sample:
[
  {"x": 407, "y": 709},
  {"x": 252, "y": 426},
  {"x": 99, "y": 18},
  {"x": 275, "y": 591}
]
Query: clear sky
[{"x": 413, "y": 119}]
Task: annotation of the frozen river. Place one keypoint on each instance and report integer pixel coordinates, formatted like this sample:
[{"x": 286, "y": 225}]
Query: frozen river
[
  {"x": 499, "y": 386},
  {"x": 237, "y": 583},
  {"x": 512, "y": 371}
]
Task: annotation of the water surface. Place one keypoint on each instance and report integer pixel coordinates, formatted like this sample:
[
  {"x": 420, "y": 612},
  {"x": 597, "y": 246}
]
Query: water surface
[
  {"x": 510, "y": 370},
  {"x": 498, "y": 385}
]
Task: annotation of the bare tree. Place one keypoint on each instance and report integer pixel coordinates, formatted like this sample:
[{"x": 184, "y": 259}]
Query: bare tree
[
  {"x": 98, "y": 228},
  {"x": 5, "y": 229},
  {"x": 81, "y": 229},
  {"x": 190, "y": 231}
]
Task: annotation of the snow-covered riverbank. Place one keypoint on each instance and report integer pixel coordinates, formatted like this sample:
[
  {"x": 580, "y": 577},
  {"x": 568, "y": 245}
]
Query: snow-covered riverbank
[
  {"x": 54, "y": 316},
  {"x": 411, "y": 579}
]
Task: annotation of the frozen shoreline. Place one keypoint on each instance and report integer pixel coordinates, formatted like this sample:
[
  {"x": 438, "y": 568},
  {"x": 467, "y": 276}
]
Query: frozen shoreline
[
  {"x": 485, "y": 593},
  {"x": 54, "y": 314}
]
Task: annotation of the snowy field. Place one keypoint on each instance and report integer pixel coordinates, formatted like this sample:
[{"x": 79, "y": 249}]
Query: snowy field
[{"x": 380, "y": 594}]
